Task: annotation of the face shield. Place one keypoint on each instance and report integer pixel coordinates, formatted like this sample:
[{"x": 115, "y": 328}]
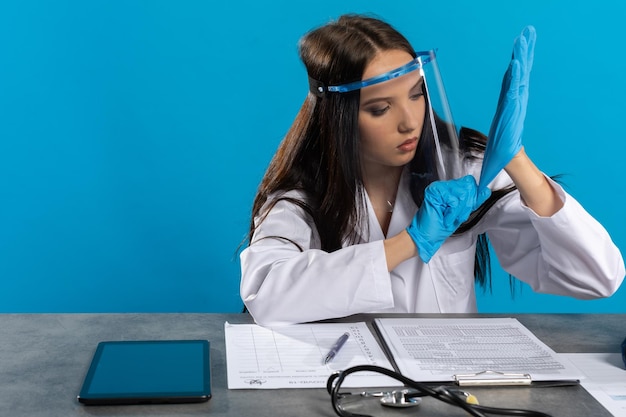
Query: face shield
[{"x": 442, "y": 159}]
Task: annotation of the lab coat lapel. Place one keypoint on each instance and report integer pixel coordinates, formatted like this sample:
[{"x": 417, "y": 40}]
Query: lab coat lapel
[
  {"x": 404, "y": 208},
  {"x": 375, "y": 232}
]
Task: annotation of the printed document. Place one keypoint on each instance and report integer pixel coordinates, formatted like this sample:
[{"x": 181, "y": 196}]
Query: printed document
[
  {"x": 293, "y": 356},
  {"x": 605, "y": 378},
  {"x": 438, "y": 350}
]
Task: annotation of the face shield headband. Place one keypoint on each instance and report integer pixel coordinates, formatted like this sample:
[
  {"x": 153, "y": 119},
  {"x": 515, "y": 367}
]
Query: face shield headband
[
  {"x": 440, "y": 125},
  {"x": 422, "y": 58}
]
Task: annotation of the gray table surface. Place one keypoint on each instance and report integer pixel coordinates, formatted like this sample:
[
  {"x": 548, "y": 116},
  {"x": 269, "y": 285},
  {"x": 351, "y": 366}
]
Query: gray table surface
[{"x": 44, "y": 358}]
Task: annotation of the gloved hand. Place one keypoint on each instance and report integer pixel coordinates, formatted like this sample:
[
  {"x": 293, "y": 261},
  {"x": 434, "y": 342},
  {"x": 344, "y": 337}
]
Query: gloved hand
[
  {"x": 446, "y": 205},
  {"x": 505, "y": 134}
]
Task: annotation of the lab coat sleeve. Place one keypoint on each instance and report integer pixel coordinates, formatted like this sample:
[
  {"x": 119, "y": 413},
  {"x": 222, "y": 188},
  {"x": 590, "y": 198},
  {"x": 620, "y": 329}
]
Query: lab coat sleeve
[
  {"x": 568, "y": 253},
  {"x": 282, "y": 284}
]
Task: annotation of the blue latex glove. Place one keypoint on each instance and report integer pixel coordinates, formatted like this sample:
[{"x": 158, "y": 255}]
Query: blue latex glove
[
  {"x": 446, "y": 205},
  {"x": 505, "y": 134}
]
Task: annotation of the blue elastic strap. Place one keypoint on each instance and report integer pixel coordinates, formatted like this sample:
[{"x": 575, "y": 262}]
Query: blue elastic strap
[{"x": 422, "y": 58}]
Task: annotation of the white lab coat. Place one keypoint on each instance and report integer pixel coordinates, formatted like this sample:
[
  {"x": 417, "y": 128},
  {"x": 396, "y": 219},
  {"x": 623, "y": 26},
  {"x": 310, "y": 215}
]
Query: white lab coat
[{"x": 569, "y": 253}]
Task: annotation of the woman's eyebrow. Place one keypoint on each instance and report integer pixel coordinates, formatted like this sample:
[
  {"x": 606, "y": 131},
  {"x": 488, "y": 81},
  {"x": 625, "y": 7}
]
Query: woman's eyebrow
[
  {"x": 374, "y": 100},
  {"x": 418, "y": 84}
]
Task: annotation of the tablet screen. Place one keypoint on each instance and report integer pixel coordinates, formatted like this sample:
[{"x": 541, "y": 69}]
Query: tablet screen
[{"x": 135, "y": 372}]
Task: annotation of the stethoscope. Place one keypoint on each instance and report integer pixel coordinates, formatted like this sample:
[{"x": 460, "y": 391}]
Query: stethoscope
[{"x": 411, "y": 395}]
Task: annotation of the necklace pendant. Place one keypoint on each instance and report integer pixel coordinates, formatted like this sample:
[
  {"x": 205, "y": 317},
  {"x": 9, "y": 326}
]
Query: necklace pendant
[{"x": 389, "y": 207}]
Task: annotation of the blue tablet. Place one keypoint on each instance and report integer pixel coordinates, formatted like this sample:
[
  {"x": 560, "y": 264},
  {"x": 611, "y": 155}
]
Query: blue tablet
[{"x": 148, "y": 372}]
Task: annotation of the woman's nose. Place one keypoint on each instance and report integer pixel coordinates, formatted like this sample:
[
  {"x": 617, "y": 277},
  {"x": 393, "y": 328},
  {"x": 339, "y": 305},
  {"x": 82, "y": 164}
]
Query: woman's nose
[{"x": 409, "y": 119}]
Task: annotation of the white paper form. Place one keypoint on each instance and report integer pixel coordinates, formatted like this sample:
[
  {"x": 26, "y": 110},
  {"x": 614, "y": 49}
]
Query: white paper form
[
  {"x": 292, "y": 356},
  {"x": 434, "y": 350},
  {"x": 605, "y": 378}
]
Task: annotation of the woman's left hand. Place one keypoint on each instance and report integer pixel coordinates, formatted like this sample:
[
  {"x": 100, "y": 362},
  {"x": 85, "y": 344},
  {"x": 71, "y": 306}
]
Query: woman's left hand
[
  {"x": 446, "y": 205},
  {"x": 505, "y": 134}
]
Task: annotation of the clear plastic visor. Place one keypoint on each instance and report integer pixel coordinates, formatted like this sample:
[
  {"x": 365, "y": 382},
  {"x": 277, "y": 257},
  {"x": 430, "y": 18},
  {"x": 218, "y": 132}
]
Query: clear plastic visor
[{"x": 439, "y": 126}]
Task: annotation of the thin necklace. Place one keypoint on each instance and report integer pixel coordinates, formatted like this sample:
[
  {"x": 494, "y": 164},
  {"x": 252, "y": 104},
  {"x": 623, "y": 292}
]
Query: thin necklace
[{"x": 391, "y": 202}]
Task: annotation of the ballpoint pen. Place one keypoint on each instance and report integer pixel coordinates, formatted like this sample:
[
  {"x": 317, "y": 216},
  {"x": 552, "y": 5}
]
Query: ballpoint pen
[{"x": 338, "y": 344}]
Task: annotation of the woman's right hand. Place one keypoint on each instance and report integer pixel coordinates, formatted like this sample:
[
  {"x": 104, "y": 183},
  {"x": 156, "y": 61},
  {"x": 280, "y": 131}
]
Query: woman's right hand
[
  {"x": 447, "y": 204},
  {"x": 505, "y": 134}
]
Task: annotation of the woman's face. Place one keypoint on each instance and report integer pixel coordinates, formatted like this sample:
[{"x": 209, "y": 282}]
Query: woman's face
[{"x": 391, "y": 114}]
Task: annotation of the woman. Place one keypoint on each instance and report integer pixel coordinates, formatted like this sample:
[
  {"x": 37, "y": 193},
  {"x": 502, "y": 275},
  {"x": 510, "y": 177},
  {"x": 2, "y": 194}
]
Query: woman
[{"x": 355, "y": 214}]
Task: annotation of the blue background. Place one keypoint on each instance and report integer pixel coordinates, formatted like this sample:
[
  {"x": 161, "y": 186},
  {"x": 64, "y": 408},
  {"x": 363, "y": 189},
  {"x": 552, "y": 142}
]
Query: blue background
[{"x": 133, "y": 134}]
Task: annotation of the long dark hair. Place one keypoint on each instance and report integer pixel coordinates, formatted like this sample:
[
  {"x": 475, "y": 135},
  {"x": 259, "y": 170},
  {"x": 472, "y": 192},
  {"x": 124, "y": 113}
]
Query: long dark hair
[{"x": 320, "y": 153}]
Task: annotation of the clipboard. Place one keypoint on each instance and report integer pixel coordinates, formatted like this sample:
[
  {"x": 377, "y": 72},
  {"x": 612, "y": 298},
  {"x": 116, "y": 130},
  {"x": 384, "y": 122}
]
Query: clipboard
[
  {"x": 472, "y": 351},
  {"x": 492, "y": 378}
]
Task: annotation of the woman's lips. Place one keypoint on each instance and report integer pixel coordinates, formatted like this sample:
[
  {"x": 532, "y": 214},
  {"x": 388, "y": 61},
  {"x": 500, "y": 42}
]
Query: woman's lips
[{"x": 408, "y": 145}]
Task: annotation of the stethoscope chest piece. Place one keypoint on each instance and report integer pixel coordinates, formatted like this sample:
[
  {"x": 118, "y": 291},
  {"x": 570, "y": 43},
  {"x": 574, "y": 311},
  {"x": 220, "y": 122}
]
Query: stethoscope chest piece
[{"x": 399, "y": 399}]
